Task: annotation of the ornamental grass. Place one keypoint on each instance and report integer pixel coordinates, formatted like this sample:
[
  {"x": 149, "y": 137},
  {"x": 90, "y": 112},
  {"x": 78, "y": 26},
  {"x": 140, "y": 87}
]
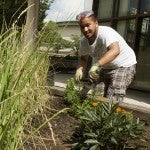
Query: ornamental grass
[{"x": 23, "y": 90}]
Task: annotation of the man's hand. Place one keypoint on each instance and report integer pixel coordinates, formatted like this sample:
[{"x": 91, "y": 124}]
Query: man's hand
[
  {"x": 94, "y": 71},
  {"x": 79, "y": 74}
]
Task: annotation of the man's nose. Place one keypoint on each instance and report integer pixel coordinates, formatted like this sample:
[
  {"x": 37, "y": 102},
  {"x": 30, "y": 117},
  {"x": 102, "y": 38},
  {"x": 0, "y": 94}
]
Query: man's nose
[{"x": 85, "y": 28}]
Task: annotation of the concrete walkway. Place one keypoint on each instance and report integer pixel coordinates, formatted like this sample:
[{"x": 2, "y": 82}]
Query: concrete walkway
[{"x": 135, "y": 99}]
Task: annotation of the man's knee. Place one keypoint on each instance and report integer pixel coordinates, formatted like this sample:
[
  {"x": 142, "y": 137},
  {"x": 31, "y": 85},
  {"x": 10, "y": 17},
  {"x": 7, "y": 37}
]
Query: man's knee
[{"x": 116, "y": 97}]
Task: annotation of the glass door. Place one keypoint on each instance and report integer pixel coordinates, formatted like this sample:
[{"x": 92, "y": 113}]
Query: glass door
[{"x": 142, "y": 78}]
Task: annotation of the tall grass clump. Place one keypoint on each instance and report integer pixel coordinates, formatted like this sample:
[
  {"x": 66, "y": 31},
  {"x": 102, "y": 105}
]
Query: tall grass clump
[{"x": 23, "y": 90}]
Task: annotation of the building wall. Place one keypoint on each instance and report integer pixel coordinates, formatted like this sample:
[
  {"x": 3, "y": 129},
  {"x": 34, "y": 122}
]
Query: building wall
[
  {"x": 88, "y": 4},
  {"x": 68, "y": 31}
]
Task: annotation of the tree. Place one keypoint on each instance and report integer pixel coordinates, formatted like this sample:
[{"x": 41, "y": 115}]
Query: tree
[
  {"x": 32, "y": 21},
  {"x": 44, "y": 5},
  {"x": 10, "y": 10}
]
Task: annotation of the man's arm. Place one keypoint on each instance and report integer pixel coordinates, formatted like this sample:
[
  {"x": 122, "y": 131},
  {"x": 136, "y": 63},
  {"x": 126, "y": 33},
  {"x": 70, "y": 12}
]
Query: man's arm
[
  {"x": 82, "y": 61},
  {"x": 81, "y": 65},
  {"x": 113, "y": 51}
]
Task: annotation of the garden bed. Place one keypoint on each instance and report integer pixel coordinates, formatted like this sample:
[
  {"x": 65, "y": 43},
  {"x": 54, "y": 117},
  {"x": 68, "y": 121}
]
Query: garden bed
[{"x": 61, "y": 135}]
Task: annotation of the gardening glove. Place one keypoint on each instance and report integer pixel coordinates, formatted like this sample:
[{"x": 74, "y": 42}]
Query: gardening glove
[
  {"x": 79, "y": 74},
  {"x": 94, "y": 71}
]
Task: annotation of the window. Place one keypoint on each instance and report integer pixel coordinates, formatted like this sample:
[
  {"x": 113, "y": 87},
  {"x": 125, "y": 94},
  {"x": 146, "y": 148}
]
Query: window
[
  {"x": 127, "y": 30},
  {"x": 125, "y": 16},
  {"x": 145, "y": 7},
  {"x": 131, "y": 18},
  {"x": 128, "y": 7},
  {"x": 121, "y": 28},
  {"x": 145, "y": 33},
  {"x": 105, "y": 24},
  {"x": 105, "y": 9}
]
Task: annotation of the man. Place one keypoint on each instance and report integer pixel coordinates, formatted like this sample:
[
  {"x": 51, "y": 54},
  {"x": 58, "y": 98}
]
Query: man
[{"x": 113, "y": 60}]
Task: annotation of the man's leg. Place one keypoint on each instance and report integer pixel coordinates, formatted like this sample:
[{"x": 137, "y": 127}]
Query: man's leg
[
  {"x": 96, "y": 86},
  {"x": 87, "y": 85},
  {"x": 120, "y": 79}
]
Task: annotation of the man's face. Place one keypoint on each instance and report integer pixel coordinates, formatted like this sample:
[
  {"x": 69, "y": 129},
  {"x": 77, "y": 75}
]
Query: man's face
[{"x": 89, "y": 28}]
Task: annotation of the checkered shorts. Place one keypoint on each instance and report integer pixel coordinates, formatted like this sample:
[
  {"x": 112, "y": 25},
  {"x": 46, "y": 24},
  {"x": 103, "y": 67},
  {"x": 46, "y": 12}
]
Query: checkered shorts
[{"x": 116, "y": 81}]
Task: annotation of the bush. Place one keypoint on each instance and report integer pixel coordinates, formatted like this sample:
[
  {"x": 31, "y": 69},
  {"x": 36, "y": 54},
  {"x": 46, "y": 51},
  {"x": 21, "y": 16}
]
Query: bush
[{"x": 104, "y": 125}]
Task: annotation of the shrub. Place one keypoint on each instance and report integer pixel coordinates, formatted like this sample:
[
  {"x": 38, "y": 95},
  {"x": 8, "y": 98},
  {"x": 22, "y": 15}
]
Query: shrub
[{"x": 104, "y": 125}]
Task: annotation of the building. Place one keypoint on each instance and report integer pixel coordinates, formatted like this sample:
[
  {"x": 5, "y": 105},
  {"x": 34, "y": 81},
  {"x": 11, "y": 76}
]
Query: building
[
  {"x": 68, "y": 29},
  {"x": 131, "y": 18}
]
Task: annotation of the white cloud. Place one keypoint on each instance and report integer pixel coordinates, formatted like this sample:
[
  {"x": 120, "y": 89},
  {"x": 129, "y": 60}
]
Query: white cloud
[{"x": 66, "y": 10}]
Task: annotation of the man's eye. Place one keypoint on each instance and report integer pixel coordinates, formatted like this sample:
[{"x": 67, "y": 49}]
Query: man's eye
[
  {"x": 82, "y": 27},
  {"x": 87, "y": 25}
]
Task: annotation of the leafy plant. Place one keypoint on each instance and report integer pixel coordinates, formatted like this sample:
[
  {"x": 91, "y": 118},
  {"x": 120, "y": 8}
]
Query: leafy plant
[
  {"x": 51, "y": 38},
  {"x": 76, "y": 43},
  {"x": 104, "y": 125},
  {"x": 23, "y": 89},
  {"x": 72, "y": 95}
]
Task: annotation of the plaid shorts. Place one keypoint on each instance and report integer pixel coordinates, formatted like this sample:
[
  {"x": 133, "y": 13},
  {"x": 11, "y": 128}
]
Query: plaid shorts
[{"x": 116, "y": 81}]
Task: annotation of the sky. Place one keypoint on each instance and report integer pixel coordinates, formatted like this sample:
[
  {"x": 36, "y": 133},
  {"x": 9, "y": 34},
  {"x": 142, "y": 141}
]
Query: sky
[{"x": 66, "y": 10}]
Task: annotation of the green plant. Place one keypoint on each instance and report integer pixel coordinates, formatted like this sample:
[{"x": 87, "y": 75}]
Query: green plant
[
  {"x": 23, "y": 89},
  {"x": 76, "y": 43},
  {"x": 104, "y": 125},
  {"x": 72, "y": 95},
  {"x": 107, "y": 126},
  {"x": 49, "y": 36}
]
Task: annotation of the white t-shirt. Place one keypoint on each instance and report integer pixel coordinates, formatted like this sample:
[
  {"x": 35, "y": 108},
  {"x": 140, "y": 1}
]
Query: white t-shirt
[{"x": 105, "y": 37}]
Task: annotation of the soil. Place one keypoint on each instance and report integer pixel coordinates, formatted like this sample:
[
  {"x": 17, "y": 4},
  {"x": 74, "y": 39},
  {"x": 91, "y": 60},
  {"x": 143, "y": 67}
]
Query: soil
[{"x": 58, "y": 134}]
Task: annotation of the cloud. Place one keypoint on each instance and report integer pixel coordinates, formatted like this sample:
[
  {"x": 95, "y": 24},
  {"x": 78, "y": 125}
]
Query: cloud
[{"x": 64, "y": 10}]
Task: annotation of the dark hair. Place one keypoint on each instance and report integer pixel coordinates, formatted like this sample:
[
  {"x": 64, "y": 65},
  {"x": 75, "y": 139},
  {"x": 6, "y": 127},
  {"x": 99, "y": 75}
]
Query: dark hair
[
  {"x": 94, "y": 18},
  {"x": 85, "y": 14}
]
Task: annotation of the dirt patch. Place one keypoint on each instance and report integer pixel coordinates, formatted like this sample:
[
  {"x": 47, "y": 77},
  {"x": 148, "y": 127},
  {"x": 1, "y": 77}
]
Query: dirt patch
[{"x": 57, "y": 135}]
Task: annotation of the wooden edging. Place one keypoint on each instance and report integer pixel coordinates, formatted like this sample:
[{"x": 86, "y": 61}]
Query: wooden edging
[
  {"x": 135, "y": 107},
  {"x": 59, "y": 91}
]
